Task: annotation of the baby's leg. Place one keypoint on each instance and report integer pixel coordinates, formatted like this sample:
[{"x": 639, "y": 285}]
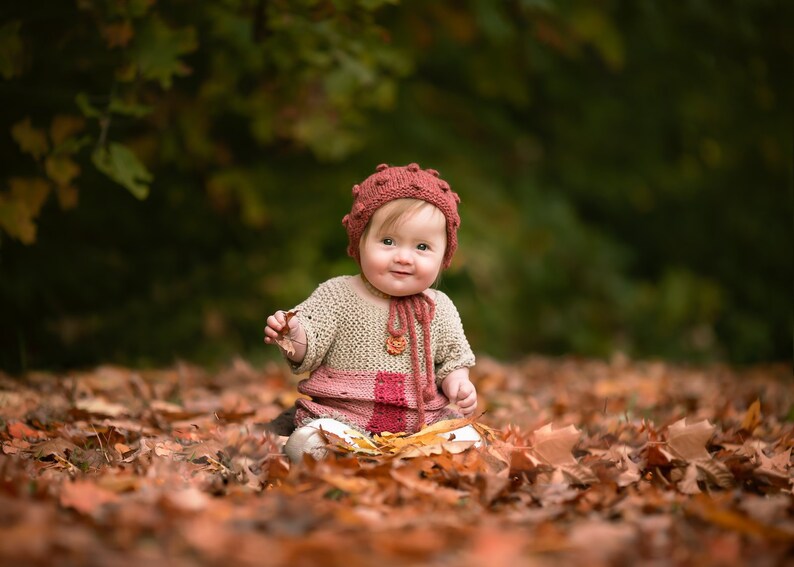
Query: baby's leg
[{"x": 309, "y": 439}]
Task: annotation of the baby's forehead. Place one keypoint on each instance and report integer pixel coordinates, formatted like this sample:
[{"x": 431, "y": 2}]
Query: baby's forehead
[{"x": 395, "y": 213}]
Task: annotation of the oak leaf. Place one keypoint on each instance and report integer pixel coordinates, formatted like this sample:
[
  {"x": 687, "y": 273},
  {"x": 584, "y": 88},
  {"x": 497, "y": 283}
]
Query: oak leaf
[{"x": 53, "y": 447}]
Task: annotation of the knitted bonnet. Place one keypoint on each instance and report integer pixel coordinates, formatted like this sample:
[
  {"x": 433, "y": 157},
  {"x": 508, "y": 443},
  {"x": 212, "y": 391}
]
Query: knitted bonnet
[{"x": 401, "y": 182}]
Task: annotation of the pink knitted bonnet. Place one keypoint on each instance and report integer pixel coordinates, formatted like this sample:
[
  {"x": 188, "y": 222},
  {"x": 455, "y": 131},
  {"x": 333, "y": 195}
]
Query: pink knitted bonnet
[{"x": 401, "y": 182}]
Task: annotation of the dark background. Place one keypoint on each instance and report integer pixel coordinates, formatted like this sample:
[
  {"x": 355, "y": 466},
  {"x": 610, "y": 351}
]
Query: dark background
[{"x": 625, "y": 169}]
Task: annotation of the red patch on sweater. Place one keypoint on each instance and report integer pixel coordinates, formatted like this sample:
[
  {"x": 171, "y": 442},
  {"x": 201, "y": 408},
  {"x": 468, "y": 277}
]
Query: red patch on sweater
[{"x": 390, "y": 403}]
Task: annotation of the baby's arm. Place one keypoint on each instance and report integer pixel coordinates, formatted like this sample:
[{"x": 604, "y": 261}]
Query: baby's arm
[
  {"x": 459, "y": 389},
  {"x": 274, "y": 328}
]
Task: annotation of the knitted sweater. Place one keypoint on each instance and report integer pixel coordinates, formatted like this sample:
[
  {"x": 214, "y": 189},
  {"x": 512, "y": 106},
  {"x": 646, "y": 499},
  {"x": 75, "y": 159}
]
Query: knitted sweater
[{"x": 353, "y": 378}]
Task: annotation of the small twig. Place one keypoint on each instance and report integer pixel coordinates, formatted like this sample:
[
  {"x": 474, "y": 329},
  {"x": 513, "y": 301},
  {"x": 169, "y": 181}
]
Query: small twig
[
  {"x": 101, "y": 448},
  {"x": 70, "y": 466}
]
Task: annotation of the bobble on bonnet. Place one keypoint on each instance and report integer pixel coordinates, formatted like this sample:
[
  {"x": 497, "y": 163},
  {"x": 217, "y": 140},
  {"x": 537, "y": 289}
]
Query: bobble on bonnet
[{"x": 401, "y": 182}]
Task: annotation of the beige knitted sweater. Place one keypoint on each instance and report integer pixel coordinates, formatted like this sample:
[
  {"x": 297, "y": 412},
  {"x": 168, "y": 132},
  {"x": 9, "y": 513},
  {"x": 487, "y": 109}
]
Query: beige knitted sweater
[{"x": 353, "y": 378}]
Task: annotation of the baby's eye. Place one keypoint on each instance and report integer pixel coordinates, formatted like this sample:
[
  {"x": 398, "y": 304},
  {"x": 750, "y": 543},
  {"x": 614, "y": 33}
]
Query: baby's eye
[
  {"x": 387, "y": 241},
  {"x": 423, "y": 246}
]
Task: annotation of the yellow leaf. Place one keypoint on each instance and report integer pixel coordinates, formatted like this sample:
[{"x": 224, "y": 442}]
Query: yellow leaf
[
  {"x": 753, "y": 416},
  {"x": 61, "y": 169},
  {"x": 30, "y": 140},
  {"x": 350, "y": 484},
  {"x": 32, "y": 191},
  {"x": 64, "y": 126},
  {"x": 16, "y": 220}
]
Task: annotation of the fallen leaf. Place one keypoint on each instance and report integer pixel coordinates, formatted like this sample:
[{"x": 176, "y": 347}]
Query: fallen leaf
[
  {"x": 777, "y": 465},
  {"x": 19, "y": 430},
  {"x": 554, "y": 447},
  {"x": 167, "y": 448},
  {"x": 56, "y": 446},
  {"x": 100, "y": 406},
  {"x": 688, "y": 442},
  {"x": 752, "y": 418},
  {"x": 349, "y": 484},
  {"x": 15, "y": 446},
  {"x": 85, "y": 496},
  {"x": 689, "y": 484},
  {"x": 715, "y": 473}
]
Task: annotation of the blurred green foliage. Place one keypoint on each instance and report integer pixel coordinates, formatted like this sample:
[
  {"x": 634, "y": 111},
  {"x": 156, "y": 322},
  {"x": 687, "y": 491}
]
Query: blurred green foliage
[{"x": 174, "y": 171}]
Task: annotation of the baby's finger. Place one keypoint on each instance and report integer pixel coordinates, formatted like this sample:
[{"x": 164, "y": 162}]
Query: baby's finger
[
  {"x": 454, "y": 392},
  {"x": 468, "y": 401},
  {"x": 275, "y": 323}
]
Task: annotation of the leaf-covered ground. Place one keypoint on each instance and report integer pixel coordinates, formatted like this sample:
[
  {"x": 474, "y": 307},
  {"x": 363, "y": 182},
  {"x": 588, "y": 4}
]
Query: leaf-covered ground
[{"x": 598, "y": 463}]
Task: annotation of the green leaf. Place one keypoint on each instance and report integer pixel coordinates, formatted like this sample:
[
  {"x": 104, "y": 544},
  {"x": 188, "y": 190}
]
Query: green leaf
[
  {"x": 122, "y": 166},
  {"x": 88, "y": 110},
  {"x": 118, "y": 106},
  {"x": 158, "y": 48}
]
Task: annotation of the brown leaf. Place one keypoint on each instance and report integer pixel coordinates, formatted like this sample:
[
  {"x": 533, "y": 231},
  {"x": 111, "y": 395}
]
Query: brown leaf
[
  {"x": 753, "y": 416},
  {"x": 777, "y": 465},
  {"x": 19, "y": 430},
  {"x": 15, "y": 446},
  {"x": 689, "y": 484},
  {"x": 688, "y": 442},
  {"x": 100, "y": 406},
  {"x": 554, "y": 447},
  {"x": 578, "y": 474},
  {"x": 167, "y": 448},
  {"x": 718, "y": 513},
  {"x": 715, "y": 472},
  {"x": 410, "y": 478},
  {"x": 283, "y": 339},
  {"x": 57, "y": 446},
  {"x": 85, "y": 496}
]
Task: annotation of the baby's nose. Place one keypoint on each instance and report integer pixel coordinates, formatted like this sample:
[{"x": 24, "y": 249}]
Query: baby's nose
[{"x": 402, "y": 256}]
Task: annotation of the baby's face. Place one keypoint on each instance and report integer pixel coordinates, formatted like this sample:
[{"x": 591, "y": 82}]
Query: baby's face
[{"x": 405, "y": 259}]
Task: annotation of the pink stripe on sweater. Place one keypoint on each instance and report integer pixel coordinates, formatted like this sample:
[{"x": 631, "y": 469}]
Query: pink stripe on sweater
[{"x": 369, "y": 400}]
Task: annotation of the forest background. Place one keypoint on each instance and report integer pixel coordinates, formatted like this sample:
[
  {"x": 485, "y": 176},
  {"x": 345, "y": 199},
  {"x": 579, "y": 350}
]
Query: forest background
[{"x": 172, "y": 171}]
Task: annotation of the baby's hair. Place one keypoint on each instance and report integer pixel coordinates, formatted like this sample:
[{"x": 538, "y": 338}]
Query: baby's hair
[{"x": 395, "y": 211}]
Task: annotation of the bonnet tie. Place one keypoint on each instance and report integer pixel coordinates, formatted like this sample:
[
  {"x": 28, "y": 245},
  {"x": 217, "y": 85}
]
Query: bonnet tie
[{"x": 403, "y": 311}]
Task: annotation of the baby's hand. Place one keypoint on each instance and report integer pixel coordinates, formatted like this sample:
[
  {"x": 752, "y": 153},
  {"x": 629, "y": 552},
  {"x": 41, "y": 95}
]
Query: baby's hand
[
  {"x": 459, "y": 389},
  {"x": 286, "y": 331}
]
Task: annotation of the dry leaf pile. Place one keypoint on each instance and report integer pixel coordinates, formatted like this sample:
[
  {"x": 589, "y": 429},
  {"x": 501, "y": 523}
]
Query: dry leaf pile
[{"x": 599, "y": 463}]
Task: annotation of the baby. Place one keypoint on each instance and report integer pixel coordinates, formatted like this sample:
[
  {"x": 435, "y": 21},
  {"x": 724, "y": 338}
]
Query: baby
[{"x": 384, "y": 350}]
